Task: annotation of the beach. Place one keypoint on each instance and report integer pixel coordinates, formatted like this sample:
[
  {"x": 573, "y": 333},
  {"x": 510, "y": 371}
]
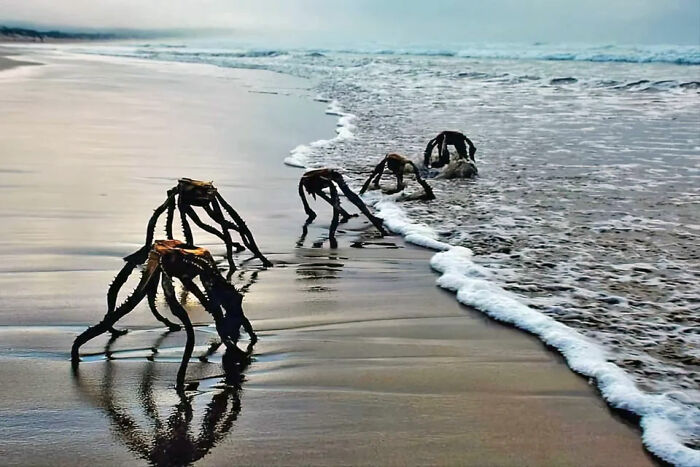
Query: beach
[
  {"x": 7, "y": 62},
  {"x": 362, "y": 359}
]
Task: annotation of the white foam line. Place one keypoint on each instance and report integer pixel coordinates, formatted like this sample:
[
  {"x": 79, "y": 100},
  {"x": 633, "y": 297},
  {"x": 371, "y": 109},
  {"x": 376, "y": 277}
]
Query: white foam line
[
  {"x": 665, "y": 422},
  {"x": 299, "y": 156}
]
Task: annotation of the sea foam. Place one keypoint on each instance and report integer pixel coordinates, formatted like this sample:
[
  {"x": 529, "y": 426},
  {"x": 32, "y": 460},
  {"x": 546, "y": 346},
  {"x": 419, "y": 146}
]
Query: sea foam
[
  {"x": 666, "y": 422},
  {"x": 299, "y": 156}
]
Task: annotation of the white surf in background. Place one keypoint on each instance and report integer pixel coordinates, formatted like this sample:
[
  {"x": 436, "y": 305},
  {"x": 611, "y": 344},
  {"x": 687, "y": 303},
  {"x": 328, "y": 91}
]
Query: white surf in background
[{"x": 584, "y": 226}]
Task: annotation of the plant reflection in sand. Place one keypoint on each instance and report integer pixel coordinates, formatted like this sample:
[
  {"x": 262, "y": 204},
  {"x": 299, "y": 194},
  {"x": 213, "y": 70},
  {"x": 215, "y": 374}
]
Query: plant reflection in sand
[{"x": 173, "y": 439}]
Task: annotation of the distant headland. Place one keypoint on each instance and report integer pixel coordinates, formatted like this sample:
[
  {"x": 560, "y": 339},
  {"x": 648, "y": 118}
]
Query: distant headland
[
  {"x": 32, "y": 33},
  {"x": 16, "y": 34}
]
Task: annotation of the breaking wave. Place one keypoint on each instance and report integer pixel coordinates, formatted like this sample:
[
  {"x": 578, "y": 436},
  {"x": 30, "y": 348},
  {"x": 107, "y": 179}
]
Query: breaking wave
[
  {"x": 679, "y": 55},
  {"x": 670, "y": 54}
]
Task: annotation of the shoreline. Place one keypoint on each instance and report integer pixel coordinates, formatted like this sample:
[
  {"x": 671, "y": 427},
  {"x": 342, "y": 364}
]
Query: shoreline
[
  {"x": 651, "y": 414},
  {"x": 7, "y": 63},
  {"x": 357, "y": 344}
]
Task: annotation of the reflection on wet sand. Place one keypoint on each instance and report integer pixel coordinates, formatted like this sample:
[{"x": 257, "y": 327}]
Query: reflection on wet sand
[
  {"x": 315, "y": 268},
  {"x": 304, "y": 232},
  {"x": 315, "y": 271},
  {"x": 377, "y": 245},
  {"x": 172, "y": 439}
]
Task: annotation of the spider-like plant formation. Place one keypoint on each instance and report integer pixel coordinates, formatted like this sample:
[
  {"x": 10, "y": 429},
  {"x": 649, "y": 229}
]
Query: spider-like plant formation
[
  {"x": 315, "y": 181},
  {"x": 397, "y": 165},
  {"x": 442, "y": 140},
  {"x": 169, "y": 259},
  {"x": 187, "y": 195}
]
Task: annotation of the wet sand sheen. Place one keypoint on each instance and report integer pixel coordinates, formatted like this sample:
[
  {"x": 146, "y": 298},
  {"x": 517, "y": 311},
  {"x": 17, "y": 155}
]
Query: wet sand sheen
[{"x": 362, "y": 360}]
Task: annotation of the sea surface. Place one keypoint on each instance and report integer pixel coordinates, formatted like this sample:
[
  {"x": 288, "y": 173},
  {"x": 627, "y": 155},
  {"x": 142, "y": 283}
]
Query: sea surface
[{"x": 583, "y": 226}]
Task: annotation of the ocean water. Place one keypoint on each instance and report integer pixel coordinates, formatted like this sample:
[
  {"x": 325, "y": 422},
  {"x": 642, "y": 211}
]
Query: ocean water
[{"x": 583, "y": 227}]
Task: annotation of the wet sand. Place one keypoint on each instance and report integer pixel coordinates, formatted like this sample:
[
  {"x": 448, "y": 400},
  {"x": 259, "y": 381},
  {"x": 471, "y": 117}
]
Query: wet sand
[
  {"x": 6, "y": 62},
  {"x": 361, "y": 359}
]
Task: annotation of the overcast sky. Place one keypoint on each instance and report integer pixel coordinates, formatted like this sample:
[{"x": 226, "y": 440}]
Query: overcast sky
[{"x": 395, "y": 21}]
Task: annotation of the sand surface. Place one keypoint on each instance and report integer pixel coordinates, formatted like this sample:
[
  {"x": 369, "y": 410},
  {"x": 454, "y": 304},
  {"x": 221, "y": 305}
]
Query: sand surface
[
  {"x": 6, "y": 63},
  {"x": 362, "y": 360}
]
